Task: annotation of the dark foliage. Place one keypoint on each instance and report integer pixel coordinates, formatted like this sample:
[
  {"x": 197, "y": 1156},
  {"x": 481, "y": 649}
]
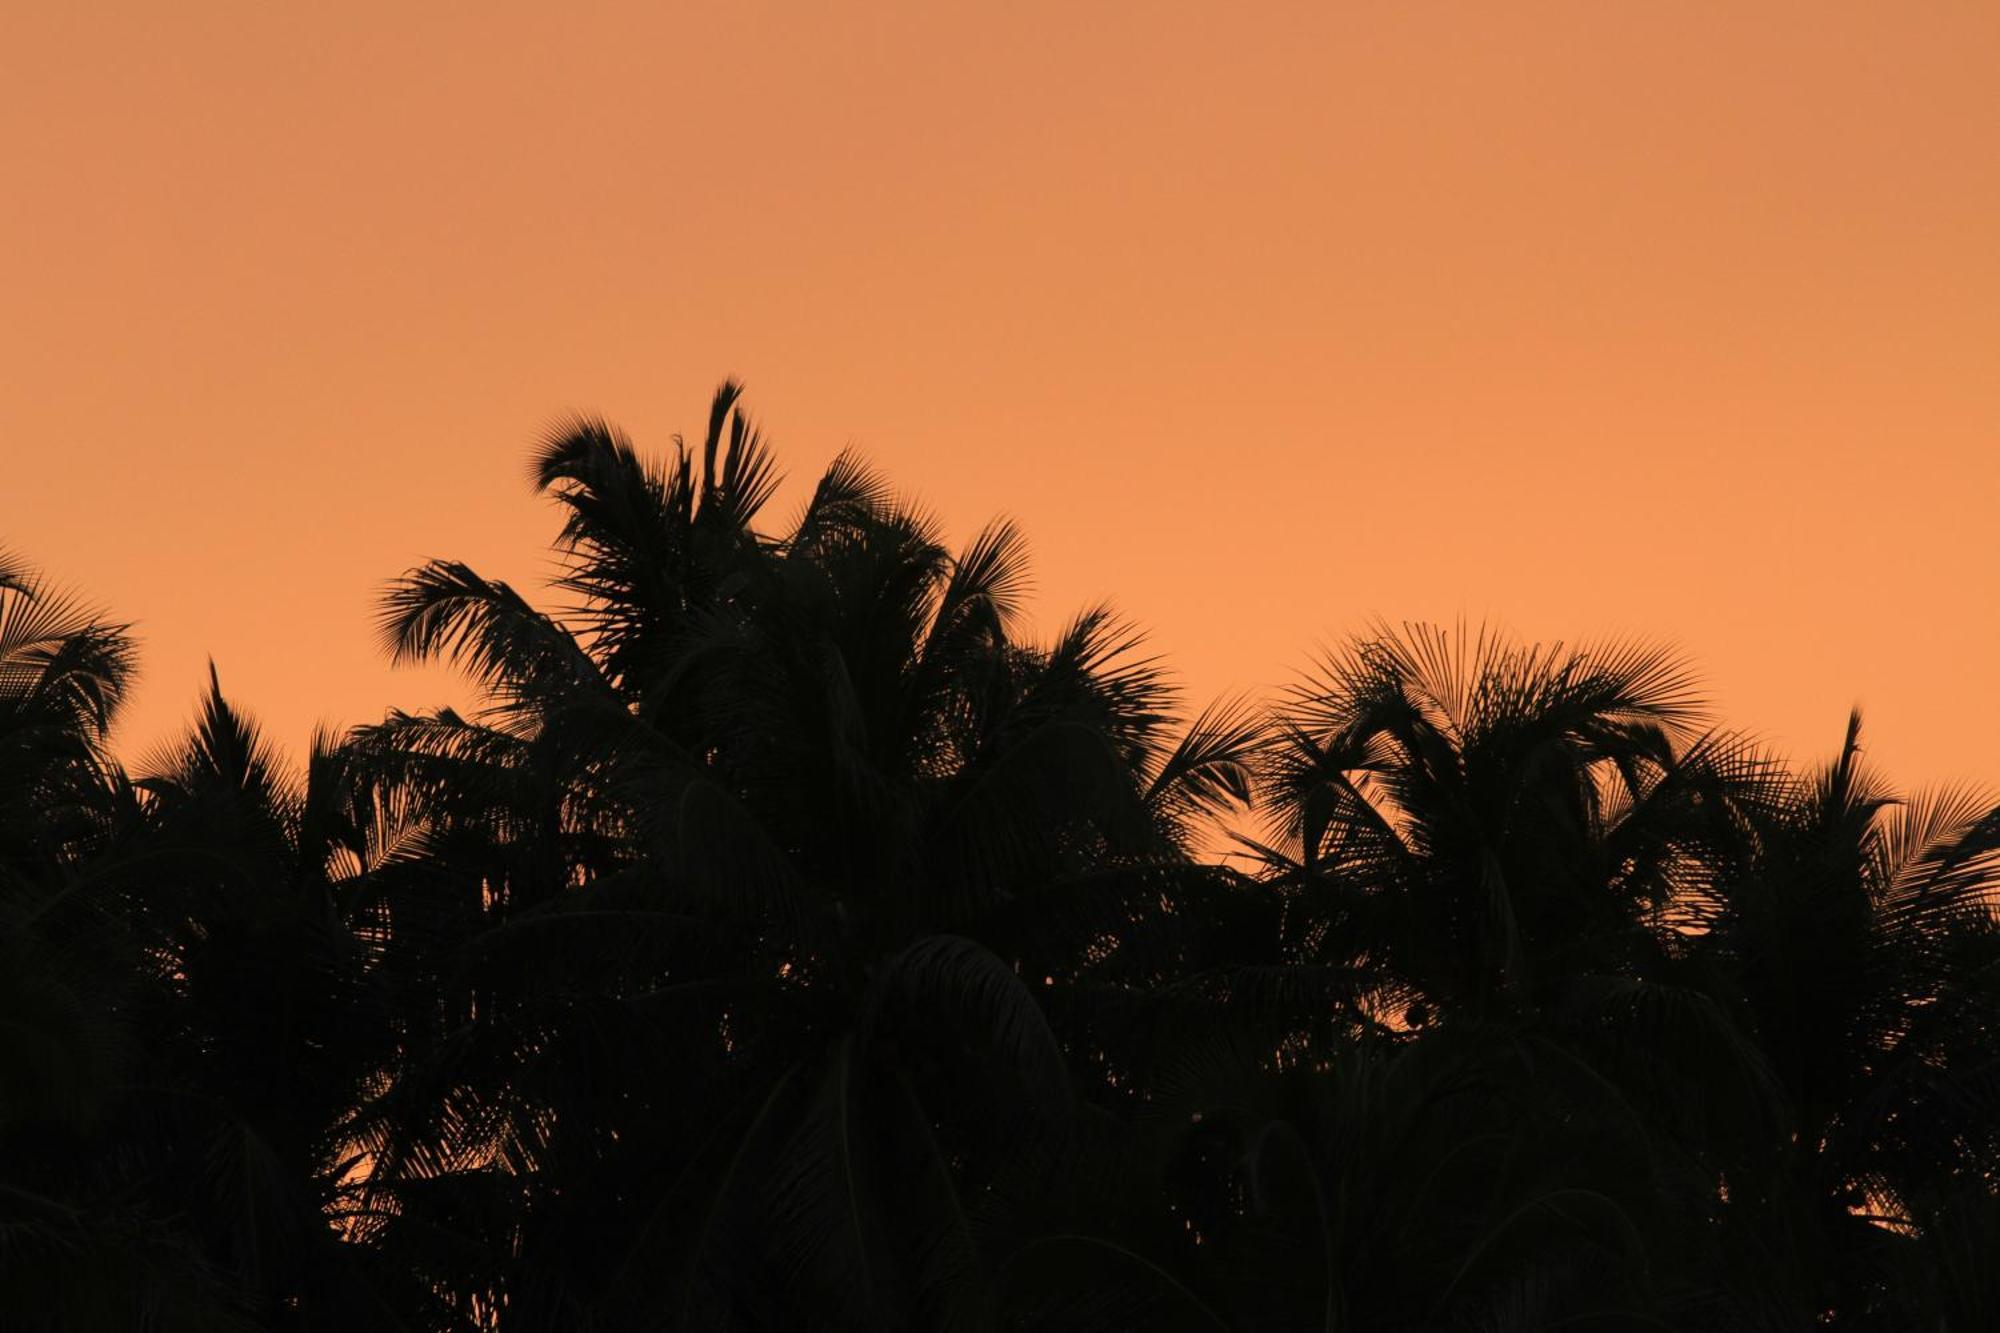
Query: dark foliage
[{"x": 789, "y": 941}]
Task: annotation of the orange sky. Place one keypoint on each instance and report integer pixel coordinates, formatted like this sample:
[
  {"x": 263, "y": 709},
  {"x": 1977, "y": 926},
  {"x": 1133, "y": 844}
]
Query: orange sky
[{"x": 1676, "y": 318}]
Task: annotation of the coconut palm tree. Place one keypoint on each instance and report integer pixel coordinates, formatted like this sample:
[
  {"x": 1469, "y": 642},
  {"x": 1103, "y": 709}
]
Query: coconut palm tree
[
  {"x": 77, "y": 1249},
  {"x": 1489, "y": 825},
  {"x": 264, "y": 1025},
  {"x": 759, "y": 859},
  {"x": 1862, "y": 945},
  {"x": 1512, "y": 850},
  {"x": 187, "y": 1026},
  {"x": 242, "y": 1033}
]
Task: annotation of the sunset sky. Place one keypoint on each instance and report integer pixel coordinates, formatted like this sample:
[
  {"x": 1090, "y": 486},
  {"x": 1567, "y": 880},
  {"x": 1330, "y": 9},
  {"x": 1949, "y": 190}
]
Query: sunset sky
[{"x": 1670, "y": 319}]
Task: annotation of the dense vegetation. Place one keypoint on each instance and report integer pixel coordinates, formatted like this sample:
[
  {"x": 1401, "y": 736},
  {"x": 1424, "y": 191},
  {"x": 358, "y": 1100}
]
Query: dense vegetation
[{"x": 787, "y": 944}]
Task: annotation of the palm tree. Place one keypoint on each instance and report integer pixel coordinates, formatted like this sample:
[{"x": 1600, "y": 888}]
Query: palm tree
[
  {"x": 1509, "y": 851},
  {"x": 76, "y": 1249},
  {"x": 759, "y": 860},
  {"x": 63, "y": 672},
  {"x": 264, "y": 1024},
  {"x": 1488, "y": 826},
  {"x": 1861, "y": 940},
  {"x": 187, "y": 1027}
]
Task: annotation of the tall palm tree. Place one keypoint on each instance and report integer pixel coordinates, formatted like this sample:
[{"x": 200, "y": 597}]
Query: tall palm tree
[
  {"x": 187, "y": 1027},
  {"x": 1861, "y": 939},
  {"x": 264, "y": 1025},
  {"x": 764, "y": 852},
  {"x": 77, "y": 1250},
  {"x": 1510, "y": 851}
]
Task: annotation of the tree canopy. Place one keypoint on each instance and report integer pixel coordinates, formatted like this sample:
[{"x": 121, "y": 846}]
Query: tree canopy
[{"x": 790, "y": 940}]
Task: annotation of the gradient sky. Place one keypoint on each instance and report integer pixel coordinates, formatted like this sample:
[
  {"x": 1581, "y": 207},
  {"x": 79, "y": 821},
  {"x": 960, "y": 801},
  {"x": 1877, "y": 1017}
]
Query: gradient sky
[{"x": 1678, "y": 319}]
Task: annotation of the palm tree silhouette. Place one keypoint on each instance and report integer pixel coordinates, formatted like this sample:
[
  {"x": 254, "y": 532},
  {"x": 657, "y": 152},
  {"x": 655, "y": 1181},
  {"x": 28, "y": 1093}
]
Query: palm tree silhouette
[
  {"x": 1862, "y": 948},
  {"x": 812, "y": 826},
  {"x": 1501, "y": 834},
  {"x": 790, "y": 940}
]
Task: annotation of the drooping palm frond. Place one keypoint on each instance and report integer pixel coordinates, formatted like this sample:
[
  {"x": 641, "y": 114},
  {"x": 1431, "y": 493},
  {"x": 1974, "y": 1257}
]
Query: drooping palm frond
[
  {"x": 520, "y": 655},
  {"x": 850, "y": 491},
  {"x": 963, "y": 986},
  {"x": 58, "y": 657},
  {"x": 825, "y": 1224},
  {"x": 1096, "y": 661},
  {"x": 1211, "y": 769},
  {"x": 981, "y": 601}
]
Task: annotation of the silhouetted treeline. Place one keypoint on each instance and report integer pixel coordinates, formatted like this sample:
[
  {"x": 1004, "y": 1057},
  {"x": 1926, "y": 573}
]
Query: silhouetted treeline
[{"x": 787, "y": 943}]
